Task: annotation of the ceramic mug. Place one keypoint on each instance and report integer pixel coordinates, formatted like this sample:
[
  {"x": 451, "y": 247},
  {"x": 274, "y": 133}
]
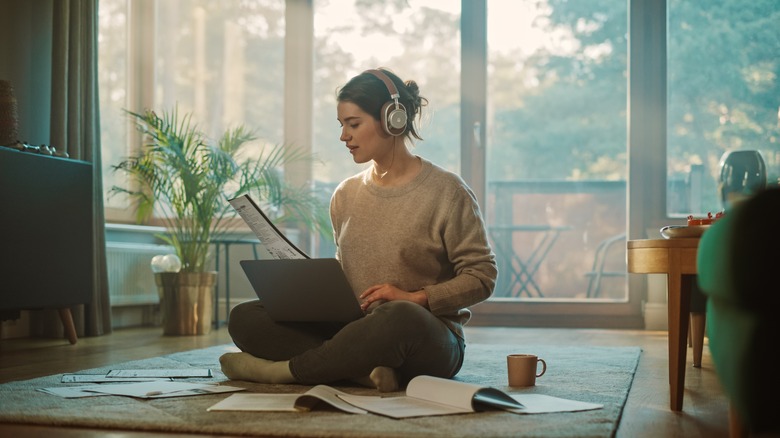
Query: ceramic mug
[{"x": 523, "y": 369}]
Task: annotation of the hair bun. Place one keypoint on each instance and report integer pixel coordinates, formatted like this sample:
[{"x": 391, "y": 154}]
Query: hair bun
[{"x": 414, "y": 92}]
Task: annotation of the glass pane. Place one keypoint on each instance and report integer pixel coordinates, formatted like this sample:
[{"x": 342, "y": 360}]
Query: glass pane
[
  {"x": 112, "y": 77},
  {"x": 556, "y": 164},
  {"x": 418, "y": 40},
  {"x": 220, "y": 61},
  {"x": 723, "y": 73},
  {"x": 224, "y": 63}
]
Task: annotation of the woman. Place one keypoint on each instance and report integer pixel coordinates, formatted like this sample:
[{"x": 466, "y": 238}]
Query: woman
[{"x": 411, "y": 240}]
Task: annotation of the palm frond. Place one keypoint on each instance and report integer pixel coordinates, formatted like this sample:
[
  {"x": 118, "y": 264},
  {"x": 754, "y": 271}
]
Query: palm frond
[{"x": 186, "y": 181}]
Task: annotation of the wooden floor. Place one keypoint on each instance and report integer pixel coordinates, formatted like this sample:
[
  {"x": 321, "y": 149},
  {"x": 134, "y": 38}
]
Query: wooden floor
[{"x": 646, "y": 413}]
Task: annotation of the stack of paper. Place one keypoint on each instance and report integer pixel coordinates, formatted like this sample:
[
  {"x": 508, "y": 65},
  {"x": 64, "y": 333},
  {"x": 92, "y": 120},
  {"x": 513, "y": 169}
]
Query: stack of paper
[{"x": 155, "y": 383}]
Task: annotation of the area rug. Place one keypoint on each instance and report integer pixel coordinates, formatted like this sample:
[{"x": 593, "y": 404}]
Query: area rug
[{"x": 591, "y": 374}]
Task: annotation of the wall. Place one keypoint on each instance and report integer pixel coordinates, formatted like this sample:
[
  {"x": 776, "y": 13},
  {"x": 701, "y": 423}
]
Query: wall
[{"x": 25, "y": 60}]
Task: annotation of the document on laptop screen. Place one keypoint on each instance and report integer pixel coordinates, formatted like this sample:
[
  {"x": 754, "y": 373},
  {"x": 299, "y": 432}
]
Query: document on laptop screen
[{"x": 274, "y": 241}]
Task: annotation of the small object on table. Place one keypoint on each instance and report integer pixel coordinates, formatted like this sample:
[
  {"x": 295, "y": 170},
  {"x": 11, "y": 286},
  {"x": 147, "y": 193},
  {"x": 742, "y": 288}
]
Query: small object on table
[
  {"x": 692, "y": 221},
  {"x": 695, "y": 228},
  {"x": 681, "y": 231},
  {"x": 60, "y": 153}
]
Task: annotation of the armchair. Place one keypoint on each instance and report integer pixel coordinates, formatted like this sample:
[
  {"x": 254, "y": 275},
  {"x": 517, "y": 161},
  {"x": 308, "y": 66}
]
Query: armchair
[{"x": 739, "y": 272}]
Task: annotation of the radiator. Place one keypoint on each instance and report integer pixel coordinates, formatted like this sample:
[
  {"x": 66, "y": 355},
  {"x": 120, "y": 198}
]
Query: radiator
[{"x": 130, "y": 278}]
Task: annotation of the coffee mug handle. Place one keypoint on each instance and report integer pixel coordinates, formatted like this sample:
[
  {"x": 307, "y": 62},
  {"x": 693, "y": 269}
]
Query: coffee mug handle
[{"x": 544, "y": 367}]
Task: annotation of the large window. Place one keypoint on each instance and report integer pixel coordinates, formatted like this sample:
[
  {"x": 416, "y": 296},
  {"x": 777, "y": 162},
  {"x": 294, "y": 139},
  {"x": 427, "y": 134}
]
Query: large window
[
  {"x": 542, "y": 107},
  {"x": 418, "y": 40},
  {"x": 112, "y": 74},
  {"x": 556, "y": 165},
  {"x": 724, "y": 95},
  {"x": 223, "y": 62}
]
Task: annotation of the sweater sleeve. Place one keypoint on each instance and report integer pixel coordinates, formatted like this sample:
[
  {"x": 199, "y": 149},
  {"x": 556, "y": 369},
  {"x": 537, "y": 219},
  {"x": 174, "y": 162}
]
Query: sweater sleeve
[{"x": 465, "y": 238}]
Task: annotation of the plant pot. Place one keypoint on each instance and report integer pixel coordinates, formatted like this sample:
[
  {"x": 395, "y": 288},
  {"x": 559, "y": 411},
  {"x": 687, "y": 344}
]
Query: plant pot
[{"x": 186, "y": 301}]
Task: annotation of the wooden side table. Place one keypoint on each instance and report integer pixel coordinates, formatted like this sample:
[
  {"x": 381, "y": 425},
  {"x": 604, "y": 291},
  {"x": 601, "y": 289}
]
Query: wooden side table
[{"x": 677, "y": 259}]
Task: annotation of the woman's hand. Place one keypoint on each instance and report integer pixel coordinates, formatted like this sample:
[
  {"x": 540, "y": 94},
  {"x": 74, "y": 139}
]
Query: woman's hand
[{"x": 382, "y": 293}]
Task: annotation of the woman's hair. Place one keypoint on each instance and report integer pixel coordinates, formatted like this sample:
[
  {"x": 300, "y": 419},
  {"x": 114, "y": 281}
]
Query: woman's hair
[{"x": 370, "y": 94}]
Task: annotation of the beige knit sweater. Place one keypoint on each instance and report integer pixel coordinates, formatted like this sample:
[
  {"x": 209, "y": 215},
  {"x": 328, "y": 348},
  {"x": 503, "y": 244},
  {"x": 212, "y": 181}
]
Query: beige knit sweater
[{"x": 428, "y": 234}]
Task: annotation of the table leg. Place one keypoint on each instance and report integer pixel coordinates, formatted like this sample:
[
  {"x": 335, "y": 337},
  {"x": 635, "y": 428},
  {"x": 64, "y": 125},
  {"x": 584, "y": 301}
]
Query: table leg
[
  {"x": 690, "y": 335},
  {"x": 531, "y": 265},
  {"x": 697, "y": 334},
  {"x": 521, "y": 270},
  {"x": 526, "y": 269},
  {"x": 679, "y": 290},
  {"x": 227, "y": 283},
  {"x": 215, "y": 323},
  {"x": 511, "y": 263},
  {"x": 67, "y": 324},
  {"x": 504, "y": 261},
  {"x": 537, "y": 257},
  {"x": 524, "y": 277}
]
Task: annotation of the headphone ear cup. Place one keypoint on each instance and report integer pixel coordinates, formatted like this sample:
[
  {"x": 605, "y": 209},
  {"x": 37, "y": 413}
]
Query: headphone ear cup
[{"x": 394, "y": 119}]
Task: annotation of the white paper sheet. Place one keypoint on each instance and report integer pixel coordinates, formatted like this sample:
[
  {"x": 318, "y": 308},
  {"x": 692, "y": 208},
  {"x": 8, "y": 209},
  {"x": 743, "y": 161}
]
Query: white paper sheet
[
  {"x": 154, "y": 389},
  {"x": 162, "y": 373},
  {"x": 402, "y": 406},
  {"x": 257, "y": 402},
  {"x": 406, "y": 406},
  {"x": 162, "y": 389},
  {"x": 71, "y": 391},
  {"x": 545, "y": 404},
  {"x": 272, "y": 239},
  {"x": 287, "y": 402},
  {"x": 102, "y": 378}
]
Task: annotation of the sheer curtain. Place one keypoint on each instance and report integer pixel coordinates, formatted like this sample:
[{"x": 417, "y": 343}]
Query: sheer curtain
[{"x": 75, "y": 126}]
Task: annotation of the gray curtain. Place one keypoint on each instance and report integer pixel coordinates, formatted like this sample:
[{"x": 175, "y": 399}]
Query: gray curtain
[{"x": 75, "y": 126}]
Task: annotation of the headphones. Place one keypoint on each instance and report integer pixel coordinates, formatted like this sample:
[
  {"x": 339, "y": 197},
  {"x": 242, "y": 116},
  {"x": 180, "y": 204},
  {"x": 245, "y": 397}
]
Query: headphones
[{"x": 393, "y": 114}]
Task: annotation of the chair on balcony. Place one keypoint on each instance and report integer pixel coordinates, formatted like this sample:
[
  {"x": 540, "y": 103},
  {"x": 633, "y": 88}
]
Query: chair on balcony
[{"x": 597, "y": 272}]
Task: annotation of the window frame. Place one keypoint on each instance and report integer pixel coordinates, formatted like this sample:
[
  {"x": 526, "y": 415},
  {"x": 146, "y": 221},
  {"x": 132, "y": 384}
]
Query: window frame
[{"x": 646, "y": 185}]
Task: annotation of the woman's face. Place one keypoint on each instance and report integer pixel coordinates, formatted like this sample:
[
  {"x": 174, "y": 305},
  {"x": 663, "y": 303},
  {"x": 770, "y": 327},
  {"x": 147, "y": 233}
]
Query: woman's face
[{"x": 362, "y": 134}]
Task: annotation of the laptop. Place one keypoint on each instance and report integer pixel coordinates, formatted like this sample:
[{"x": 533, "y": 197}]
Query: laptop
[{"x": 303, "y": 290}]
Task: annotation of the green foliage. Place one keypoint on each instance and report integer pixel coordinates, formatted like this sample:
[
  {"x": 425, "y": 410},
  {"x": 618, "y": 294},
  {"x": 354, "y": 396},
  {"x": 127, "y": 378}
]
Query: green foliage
[
  {"x": 187, "y": 181},
  {"x": 723, "y": 83}
]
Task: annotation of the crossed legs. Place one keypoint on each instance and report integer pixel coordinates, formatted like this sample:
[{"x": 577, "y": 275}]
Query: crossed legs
[{"x": 397, "y": 341}]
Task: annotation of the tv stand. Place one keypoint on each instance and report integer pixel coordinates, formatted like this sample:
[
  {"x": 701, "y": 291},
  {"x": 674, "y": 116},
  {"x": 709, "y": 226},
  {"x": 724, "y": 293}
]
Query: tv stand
[{"x": 46, "y": 229}]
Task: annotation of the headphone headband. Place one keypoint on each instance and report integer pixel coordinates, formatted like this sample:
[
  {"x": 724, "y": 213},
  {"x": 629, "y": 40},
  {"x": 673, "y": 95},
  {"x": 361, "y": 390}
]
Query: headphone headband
[
  {"x": 388, "y": 82},
  {"x": 393, "y": 113}
]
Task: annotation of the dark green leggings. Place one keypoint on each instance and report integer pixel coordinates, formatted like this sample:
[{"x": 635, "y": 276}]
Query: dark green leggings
[{"x": 398, "y": 334}]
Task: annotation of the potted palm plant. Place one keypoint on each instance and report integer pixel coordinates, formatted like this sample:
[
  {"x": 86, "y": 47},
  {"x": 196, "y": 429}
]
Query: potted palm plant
[{"x": 185, "y": 180}]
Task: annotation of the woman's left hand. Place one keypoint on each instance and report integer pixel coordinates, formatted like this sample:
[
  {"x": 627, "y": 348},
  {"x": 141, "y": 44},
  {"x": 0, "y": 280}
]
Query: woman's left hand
[{"x": 382, "y": 293}]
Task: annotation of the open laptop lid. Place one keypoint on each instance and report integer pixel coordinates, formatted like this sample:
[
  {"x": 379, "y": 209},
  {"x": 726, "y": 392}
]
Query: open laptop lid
[{"x": 303, "y": 289}]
